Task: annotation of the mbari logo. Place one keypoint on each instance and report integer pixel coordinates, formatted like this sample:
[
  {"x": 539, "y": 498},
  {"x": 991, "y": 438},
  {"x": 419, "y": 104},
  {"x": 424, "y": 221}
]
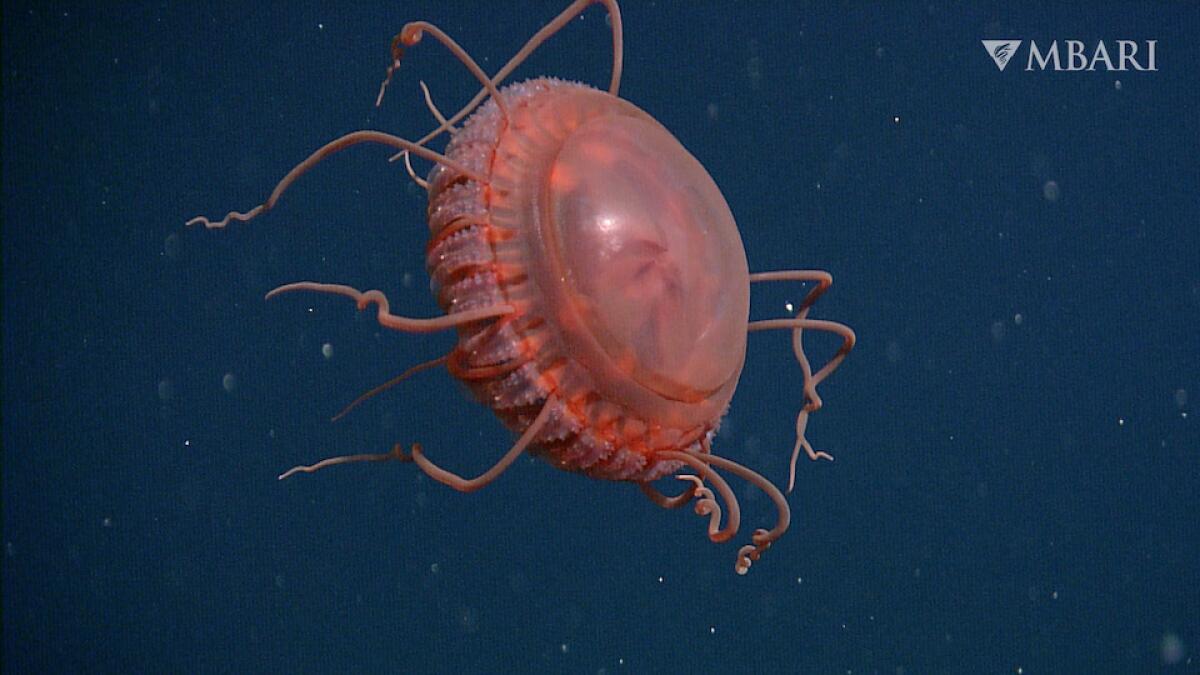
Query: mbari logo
[
  {"x": 1001, "y": 51},
  {"x": 1076, "y": 56}
]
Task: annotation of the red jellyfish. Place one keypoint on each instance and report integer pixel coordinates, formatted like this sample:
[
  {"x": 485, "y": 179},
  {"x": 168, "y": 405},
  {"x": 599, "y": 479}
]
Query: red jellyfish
[{"x": 596, "y": 280}]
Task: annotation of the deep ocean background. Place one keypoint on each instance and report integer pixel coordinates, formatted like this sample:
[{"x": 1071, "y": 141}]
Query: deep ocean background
[{"x": 1016, "y": 434}]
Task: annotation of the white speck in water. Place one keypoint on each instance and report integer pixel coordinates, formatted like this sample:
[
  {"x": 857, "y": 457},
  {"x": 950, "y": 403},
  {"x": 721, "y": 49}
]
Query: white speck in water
[
  {"x": 1171, "y": 649},
  {"x": 1051, "y": 191}
]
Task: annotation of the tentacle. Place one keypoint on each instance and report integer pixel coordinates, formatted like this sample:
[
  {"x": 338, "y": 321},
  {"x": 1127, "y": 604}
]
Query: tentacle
[
  {"x": 799, "y": 323},
  {"x": 812, "y": 400},
  {"x": 432, "y": 470},
  {"x": 421, "y": 182},
  {"x": 708, "y": 504},
  {"x": 334, "y": 146},
  {"x": 821, "y": 278},
  {"x": 470, "y": 485},
  {"x": 762, "y": 539},
  {"x": 560, "y": 21},
  {"x": 433, "y": 109},
  {"x": 384, "y": 314},
  {"x": 671, "y": 502},
  {"x": 441, "y": 360},
  {"x": 412, "y": 33},
  {"x": 454, "y": 364},
  {"x": 565, "y": 17},
  {"x": 437, "y": 114},
  {"x": 396, "y": 454},
  {"x": 495, "y": 233}
]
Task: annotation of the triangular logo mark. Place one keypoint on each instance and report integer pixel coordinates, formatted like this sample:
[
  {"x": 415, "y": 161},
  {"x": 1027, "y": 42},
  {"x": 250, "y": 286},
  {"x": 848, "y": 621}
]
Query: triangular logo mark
[{"x": 1001, "y": 51}]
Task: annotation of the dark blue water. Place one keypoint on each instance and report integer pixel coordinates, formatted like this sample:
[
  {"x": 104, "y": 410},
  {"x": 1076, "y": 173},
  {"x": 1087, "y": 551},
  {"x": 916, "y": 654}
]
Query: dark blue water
[{"x": 1016, "y": 434}]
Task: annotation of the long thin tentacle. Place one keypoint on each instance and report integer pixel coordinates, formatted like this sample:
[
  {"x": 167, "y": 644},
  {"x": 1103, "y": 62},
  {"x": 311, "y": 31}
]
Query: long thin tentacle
[
  {"x": 565, "y": 17},
  {"x": 797, "y": 324},
  {"x": 800, "y": 323},
  {"x": 671, "y": 502},
  {"x": 821, "y": 278},
  {"x": 813, "y": 400},
  {"x": 384, "y": 314},
  {"x": 433, "y": 109},
  {"x": 432, "y": 470},
  {"x": 334, "y": 146},
  {"x": 441, "y": 360},
  {"x": 421, "y": 182},
  {"x": 762, "y": 539},
  {"x": 470, "y": 485},
  {"x": 397, "y": 454},
  {"x": 700, "y": 464},
  {"x": 412, "y": 33},
  {"x": 706, "y": 502},
  {"x": 437, "y": 115}
]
